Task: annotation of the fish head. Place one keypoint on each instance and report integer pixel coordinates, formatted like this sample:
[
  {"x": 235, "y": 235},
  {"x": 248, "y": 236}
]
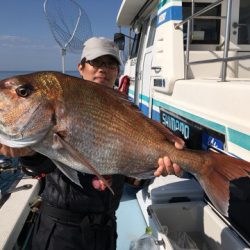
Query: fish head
[{"x": 26, "y": 108}]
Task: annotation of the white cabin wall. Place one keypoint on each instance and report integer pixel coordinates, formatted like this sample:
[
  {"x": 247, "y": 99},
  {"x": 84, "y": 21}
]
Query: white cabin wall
[
  {"x": 210, "y": 70},
  {"x": 168, "y": 47},
  {"x": 243, "y": 66}
]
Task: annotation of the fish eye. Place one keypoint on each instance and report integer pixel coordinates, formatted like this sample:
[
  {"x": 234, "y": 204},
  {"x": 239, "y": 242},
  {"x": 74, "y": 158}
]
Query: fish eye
[{"x": 24, "y": 90}]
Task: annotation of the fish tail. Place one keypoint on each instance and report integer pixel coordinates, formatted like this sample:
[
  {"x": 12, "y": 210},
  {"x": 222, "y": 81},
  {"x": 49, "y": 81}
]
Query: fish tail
[{"x": 219, "y": 171}]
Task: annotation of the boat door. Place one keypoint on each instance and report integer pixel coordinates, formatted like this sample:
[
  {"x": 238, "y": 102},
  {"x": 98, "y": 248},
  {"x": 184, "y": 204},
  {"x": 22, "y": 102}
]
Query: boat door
[
  {"x": 240, "y": 30},
  {"x": 240, "y": 34},
  {"x": 144, "y": 65}
]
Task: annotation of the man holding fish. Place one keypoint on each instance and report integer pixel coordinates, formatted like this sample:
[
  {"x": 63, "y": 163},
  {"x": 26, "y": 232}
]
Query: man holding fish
[{"x": 74, "y": 217}]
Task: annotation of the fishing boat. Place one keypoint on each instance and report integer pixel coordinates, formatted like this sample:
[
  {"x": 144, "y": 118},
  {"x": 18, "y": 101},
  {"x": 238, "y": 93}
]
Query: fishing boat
[
  {"x": 19, "y": 201},
  {"x": 189, "y": 68}
]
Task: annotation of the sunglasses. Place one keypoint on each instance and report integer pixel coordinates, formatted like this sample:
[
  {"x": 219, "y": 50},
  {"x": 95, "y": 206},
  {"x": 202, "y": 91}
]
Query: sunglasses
[{"x": 96, "y": 63}]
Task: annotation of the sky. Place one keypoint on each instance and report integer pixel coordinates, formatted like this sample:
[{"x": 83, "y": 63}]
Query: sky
[{"x": 26, "y": 40}]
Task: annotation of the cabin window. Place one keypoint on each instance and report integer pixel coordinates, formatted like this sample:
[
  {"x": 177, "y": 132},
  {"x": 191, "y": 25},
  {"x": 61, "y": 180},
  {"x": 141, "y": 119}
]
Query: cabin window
[
  {"x": 244, "y": 22},
  {"x": 152, "y": 30},
  {"x": 205, "y": 31},
  {"x": 135, "y": 45}
]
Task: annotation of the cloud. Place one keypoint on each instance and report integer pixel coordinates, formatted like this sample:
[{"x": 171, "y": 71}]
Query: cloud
[
  {"x": 9, "y": 41},
  {"x": 12, "y": 39}
]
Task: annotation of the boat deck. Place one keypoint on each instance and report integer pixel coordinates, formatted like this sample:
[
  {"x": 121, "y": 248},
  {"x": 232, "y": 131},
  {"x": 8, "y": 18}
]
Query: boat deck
[
  {"x": 130, "y": 221},
  {"x": 14, "y": 212}
]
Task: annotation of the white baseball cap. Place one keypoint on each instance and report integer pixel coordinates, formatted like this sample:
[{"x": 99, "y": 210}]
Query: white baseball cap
[{"x": 100, "y": 46}]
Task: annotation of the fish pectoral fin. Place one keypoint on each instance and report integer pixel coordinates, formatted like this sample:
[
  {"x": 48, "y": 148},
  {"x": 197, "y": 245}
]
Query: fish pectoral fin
[
  {"x": 62, "y": 133},
  {"x": 58, "y": 140},
  {"x": 70, "y": 173}
]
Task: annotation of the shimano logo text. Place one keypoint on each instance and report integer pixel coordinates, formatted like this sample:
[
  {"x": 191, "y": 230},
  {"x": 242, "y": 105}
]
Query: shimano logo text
[{"x": 176, "y": 125}]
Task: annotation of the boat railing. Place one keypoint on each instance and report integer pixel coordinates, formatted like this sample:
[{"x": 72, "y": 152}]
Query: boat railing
[{"x": 225, "y": 59}]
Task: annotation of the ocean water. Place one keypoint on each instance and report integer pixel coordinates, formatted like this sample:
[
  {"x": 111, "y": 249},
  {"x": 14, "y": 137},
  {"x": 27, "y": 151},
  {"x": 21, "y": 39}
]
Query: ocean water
[
  {"x": 8, "y": 174},
  {"x": 9, "y": 177}
]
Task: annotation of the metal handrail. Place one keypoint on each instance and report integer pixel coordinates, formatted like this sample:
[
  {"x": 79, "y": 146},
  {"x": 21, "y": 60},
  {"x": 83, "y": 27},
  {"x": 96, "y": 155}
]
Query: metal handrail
[
  {"x": 227, "y": 40},
  {"x": 227, "y": 59},
  {"x": 210, "y": 17}
]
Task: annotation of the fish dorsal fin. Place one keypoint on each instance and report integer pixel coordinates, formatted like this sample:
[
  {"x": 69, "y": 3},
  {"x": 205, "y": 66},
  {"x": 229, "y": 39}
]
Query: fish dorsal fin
[{"x": 75, "y": 154}]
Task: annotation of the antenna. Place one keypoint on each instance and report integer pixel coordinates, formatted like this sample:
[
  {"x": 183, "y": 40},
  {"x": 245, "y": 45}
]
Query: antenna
[{"x": 69, "y": 24}]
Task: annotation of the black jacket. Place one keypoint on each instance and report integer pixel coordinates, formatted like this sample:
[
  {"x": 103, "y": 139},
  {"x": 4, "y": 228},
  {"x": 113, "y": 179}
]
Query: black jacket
[{"x": 60, "y": 192}]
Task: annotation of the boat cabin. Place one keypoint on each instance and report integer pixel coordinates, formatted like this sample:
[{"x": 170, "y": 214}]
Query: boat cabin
[{"x": 189, "y": 68}]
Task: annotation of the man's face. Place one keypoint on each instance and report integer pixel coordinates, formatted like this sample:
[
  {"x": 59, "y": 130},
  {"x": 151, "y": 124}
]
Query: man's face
[{"x": 103, "y": 70}]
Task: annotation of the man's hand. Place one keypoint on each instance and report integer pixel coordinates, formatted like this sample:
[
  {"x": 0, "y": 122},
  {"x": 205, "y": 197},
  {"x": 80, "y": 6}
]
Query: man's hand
[
  {"x": 15, "y": 152},
  {"x": 99, "y": 184},
  {"x": 165, "y": 166}
]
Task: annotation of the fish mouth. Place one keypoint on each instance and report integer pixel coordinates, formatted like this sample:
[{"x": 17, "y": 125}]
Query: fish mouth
[
  {"x": 15, "y": 141},
  {"x": 18, "y": 140}
]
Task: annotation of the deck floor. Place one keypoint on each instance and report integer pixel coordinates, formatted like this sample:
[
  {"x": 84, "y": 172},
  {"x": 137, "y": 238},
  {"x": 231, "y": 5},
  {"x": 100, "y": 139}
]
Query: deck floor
[{"x": 130, "y": 221}]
